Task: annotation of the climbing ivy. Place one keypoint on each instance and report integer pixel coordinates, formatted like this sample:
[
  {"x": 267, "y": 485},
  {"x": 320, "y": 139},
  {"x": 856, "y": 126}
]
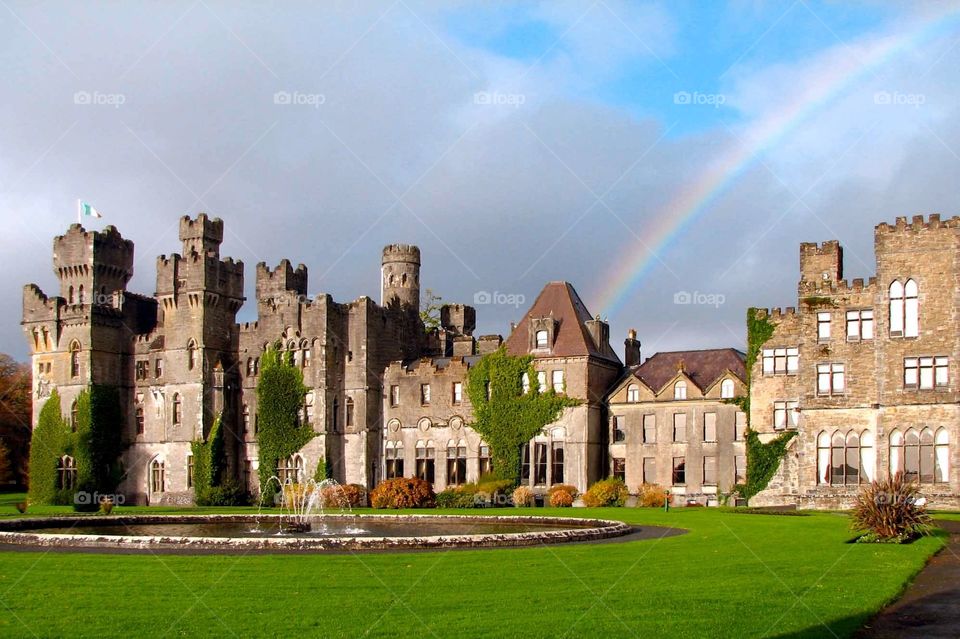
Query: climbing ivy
[
  {"x": 762, "y": 459},
  {"x": 48, "y": 444},
  {"x": 93, "y": 442},
  {"x": 209, "y": 463},
  {"x": 280, "y": 395},
  {"x": 504, "y": 415}
]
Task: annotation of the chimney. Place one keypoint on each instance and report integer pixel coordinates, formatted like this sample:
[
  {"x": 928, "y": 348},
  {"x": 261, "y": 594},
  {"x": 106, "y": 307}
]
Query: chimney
[{"x": 631, "y": 349}]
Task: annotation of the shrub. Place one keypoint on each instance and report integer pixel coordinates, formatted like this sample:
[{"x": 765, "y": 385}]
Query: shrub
[
  {"x": 228, "y": 493},
  {"x": 106, "y": 506},
  {"x": 565, "y": 488},
  {"x": 343, "y": 496},
  {"x": 522, "y": 497},
  {"x": 560, "y": 497},
  {"x": 888, "y": 510},
  {"x": 651, "y": 496},
  {"x": 606, "y": 492},
  {"x": 456, "y": 498},
  {"x": 403, "y": 492}
]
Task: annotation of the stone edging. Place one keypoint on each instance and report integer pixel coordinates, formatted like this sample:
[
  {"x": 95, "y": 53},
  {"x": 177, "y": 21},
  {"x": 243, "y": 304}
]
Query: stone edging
[{"x": 12, "y": 532}]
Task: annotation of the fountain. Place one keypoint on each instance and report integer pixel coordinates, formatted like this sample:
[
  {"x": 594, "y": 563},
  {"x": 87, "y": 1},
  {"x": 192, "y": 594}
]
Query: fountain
[{"x": 307, "y": 500}]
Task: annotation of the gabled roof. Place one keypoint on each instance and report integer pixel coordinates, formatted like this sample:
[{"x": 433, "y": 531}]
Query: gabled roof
[
  {"x": 703, "y": 368},
  {"x": 572, "y": 337}
]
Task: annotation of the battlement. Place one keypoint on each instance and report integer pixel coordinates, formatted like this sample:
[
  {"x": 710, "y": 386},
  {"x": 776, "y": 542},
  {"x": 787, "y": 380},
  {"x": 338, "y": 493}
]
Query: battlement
[
  {"x": 821, "y": 262},
  {"x": 92, "y": 264},
  {"x": 401, "y": 253},
  {"x": 201, "y": 235},
  {"x": 918, "y": 224},
  {"x": 195, "y": 272},
  {"x": 281, "y": 279},
  {"x": 858, "y": 285},
  {"x": 776, "y": 313}
]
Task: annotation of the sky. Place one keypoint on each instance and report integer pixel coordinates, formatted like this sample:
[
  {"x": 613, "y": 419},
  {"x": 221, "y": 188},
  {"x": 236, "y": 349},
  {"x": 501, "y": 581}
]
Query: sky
[{"x": 665, "y": 158}]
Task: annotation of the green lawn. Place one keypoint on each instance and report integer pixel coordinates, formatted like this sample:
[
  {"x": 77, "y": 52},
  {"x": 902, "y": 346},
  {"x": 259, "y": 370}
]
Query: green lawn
[{"x": 733, "y": 575}]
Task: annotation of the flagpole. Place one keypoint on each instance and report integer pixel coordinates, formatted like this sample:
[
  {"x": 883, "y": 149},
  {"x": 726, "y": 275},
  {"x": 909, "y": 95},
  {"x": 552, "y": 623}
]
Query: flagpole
[{"x": 79, "y": 213}]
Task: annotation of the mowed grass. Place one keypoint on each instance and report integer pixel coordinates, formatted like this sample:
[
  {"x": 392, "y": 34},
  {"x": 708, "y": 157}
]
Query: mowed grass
[{"x": 732, "y": 575}]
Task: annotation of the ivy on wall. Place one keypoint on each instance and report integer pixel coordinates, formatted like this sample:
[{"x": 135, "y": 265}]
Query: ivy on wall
[
  {"x": 762, "y": 459},
  {"x": 209, "y": 462},
  {"x": 280, "y": 396},
  {"x": 49, "y": 442},
  {"x": 93, "y": 441},
  {"x": 506, "y": 417}
]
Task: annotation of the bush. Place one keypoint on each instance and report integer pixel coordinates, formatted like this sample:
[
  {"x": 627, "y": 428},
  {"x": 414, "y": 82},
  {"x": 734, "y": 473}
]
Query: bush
[
  {"x": 522, "y": 497},
  {"x": 560, "y": 497},
  {"x": 403, "y": 492},
  {"x": 343, "y": 496},
  {"x": 228, "y": 493},
  {"x": 651, "y": 496},
  {"x": 888, "y": 510},
  {"x": 606, "y": 492},
  {"x": 456, "y": 498},
  {"x": 106, "y": 506},
  {"x": 565, "y": 488}
]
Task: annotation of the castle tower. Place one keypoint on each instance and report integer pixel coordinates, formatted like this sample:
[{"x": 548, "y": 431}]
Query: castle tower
[
  {"x": 400, "y": 273},
  {"x": 202, "y": 235},
  {"x": 92, "y": 266}
]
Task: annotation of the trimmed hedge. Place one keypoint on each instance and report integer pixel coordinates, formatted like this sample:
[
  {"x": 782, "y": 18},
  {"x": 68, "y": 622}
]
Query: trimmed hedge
[
  {"x": 50, "y": 442},
  {"x": 606, "y": 492},
  {"x": 403, "y": 492}
]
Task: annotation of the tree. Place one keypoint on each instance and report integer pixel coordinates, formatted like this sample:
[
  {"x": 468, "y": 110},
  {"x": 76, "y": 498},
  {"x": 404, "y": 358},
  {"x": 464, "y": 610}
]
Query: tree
[
  {"x": 504, "y": 415},
  {"x": 15, "y": 407},
  {"x": 280, "y": 395},
  {"x": 430, "y": 310},
  {"x": 6, "y": 467}
]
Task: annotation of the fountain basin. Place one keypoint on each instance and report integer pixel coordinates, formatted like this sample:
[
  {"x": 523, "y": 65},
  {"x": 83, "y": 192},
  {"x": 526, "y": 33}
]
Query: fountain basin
[{"x": 345, "y": 532}]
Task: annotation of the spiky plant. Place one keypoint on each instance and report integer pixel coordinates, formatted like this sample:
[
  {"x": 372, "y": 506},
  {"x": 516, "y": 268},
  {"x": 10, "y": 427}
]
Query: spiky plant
[{"x": 891, "y": 509}]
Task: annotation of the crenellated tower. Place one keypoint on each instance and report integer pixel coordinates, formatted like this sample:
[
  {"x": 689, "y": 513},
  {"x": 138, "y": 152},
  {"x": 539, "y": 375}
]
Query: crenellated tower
[{"x": 400, "y": 273}]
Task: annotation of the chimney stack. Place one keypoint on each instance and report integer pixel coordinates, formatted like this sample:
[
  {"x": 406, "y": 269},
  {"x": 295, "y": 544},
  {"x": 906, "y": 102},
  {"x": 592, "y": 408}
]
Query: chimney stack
[{"x": 631, "y": 349}]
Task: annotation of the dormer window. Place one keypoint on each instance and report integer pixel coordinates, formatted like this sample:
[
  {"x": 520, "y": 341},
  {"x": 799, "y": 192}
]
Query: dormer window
[
  {"x": 726, "y": 389},
  {"x": 680, "y": 390},
  {"x": 542, "y": 339},
  {"x": 633, "y": 393}
]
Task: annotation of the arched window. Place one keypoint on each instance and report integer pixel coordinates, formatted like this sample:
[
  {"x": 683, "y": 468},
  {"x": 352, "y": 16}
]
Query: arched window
[
  {"x": 80, "y": 299},
  {"x": 70, "y": 297},
  {"x": 542, "y": 339},
  {"x": 394, "y": 458},
  {"x": 726, "y": 389},
  {"x": 486, "y": 463},
  {"x": 633, "y": 393},
  {"x": 923, "y": 456},
  {"x": 904, "y": 309},
  {"x": 680, "y": 390},
  {"x": 246, "y": 419},
  {"x": 66, "y": 473},
  {"x": 74, "y": 415},
  {"x": 942, "y": 456},
  {"x": 403, "y": 280},
  {"x": 426, "y": 459},
  {"x": 190, "y": 471},
  {"x": 256, "y": 365},
  {"x": 349, "y": 415},
  {"x": 249, "y": 367},
  {"x": 191, "y": 355},
  {"x": 845, "y": 459},
  {"x": 307, "y": 355},
  {"x": 157, "y": 477},
  {"x": 556, "y": 461},
  {"x": 177, "y": 409},
  {"x": 456, "y": 462},
  {"x": 138, "y": 415},
  {"x": 74, "y": 359},
  {"x": 290, "y": 470},
  {"x": 911, "y": 322},
  {"x": 525, "y": 381}
]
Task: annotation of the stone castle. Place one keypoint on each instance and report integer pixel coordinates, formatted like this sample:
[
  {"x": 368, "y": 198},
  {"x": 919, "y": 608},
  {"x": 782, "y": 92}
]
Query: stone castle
[{"x": 864, "y": 372}]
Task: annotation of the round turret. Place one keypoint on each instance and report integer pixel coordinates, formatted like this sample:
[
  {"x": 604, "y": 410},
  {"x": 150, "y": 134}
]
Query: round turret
[{"x": 400, "y": 276}]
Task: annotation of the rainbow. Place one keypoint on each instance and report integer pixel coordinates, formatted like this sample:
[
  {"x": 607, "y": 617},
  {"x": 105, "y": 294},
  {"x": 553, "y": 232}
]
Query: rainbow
[{"x": 678, "y": 214}]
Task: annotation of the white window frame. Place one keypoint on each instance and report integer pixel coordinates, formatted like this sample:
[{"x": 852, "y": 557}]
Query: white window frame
[
  {"x": 859, "y": 325},
  {"x": 831, "y": 379},
  {"x": 781, "y": 361},
  {"x": 823, "y": 326}
]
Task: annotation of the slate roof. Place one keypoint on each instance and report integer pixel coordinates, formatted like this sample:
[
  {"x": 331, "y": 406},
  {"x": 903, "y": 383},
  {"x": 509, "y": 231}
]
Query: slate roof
[
  {"x": 572, "y": 337},
  {"x": 703, "y": 368}
]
